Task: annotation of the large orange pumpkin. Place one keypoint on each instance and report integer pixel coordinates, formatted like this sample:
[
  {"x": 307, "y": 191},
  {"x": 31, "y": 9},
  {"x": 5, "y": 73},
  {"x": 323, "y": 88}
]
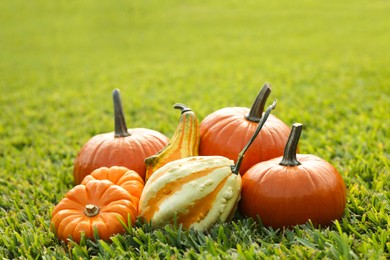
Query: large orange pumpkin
[
  {"x": 121, "y": 176},
  {"x": 98, "y": 205},
  {"x": 293, "y": 189},
  {"x": 124, "y": 147},
  {"x": 225, "y": 131}
]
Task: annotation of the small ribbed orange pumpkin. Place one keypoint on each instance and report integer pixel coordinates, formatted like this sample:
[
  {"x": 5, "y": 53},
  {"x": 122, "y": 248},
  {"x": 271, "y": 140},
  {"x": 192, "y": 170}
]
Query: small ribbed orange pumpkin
[
  {"x": 225, "y": 131},
  {"x": 124, "y": 147},
  {"x": 121, "y": 176},
  {"x": 98, "y": 205},
  {"x": 196, "y": 191},
  {"x": 184, "y": 142},
  {"x": 292, "y": 189}
]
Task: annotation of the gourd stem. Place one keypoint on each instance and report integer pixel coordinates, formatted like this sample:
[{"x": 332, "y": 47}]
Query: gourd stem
[
  {"x": 183, "y": 108},
  {"x": 236, "y": 167},
  {"x": 91, "y": 210},
  {"x": 257, "y": 108},
  {"x": 290, "y": 150},
  {"x": 119, "y": 117}
]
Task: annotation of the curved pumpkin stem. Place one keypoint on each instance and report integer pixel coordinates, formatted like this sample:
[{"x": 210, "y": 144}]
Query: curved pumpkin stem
[
  {"x": 236, "y": 167},
  {"x": 183, "y": 108},
  {"x": 290, "y": 150},
  {"x": 119, "y": 117},
  {"x": 257, "y": 108},
  {"x": 91, "y": 210}
]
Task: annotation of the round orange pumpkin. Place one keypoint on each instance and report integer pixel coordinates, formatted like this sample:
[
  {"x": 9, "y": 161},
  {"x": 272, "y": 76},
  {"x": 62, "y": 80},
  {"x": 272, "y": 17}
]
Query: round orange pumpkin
[
  {"x": 225, "y": 131},
  {"x": 98, "y": 205},
  {"x": 292, "y": 189},
  {"x": 124, "y": 147},
  {"x": 121, "y": 176}
]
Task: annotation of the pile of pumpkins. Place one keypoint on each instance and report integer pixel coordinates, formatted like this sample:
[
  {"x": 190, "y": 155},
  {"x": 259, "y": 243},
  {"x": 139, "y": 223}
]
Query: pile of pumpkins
[{"x": 236, "y": 158}]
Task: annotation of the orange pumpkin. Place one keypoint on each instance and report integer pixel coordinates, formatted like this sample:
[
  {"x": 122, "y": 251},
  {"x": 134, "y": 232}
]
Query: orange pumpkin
[
  {"x": 184, "y": 142},
  {"x": 98, "y": 205},
  {"x": 121, "y": 176},
  {"x": 124, "y": 147},
  {"x": 292, "y": 189},
  {"x": 225, "y": 131}
]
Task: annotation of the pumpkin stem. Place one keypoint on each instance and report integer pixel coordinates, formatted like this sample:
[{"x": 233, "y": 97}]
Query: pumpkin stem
[
  {"x": 236, "y": 167},
  {"x": 91, "y": 210},
  {"x": 290, "y": 150},
  {"x": 257, "y": 108},
  {"x": 183, "y": 108},
  {"x": 120, "y": 124}
]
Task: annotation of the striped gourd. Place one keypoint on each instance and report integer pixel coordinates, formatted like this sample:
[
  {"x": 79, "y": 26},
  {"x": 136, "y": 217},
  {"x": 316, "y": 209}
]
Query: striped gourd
[
  {"x": 196, "y": 191},
  {"x": 184, "y": 142},
  {"x": 199, "y": 190}
]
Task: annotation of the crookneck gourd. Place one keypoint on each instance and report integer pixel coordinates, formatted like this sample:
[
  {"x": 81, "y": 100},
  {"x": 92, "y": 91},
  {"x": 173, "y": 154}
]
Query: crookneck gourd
[
  {"x": 124, "y": 147},
  {"x": 225, "y": 131},
  {"x": 196, "y": 191},
  {"x": 292, "y": 189},
  {"x": 184, "y": 142}
]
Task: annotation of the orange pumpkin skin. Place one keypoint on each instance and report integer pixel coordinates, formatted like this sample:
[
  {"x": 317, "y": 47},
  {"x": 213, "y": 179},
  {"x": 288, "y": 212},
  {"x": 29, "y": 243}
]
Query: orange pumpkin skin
[
  {"x": 108, "y": 150},
  {"x": 226, "y": 131},
  {"x": 121, "y": 176},
  {"x": 69, "y": 217},
  {"x": 123, "y": 147},
  {"x": 286, "y": 195}
]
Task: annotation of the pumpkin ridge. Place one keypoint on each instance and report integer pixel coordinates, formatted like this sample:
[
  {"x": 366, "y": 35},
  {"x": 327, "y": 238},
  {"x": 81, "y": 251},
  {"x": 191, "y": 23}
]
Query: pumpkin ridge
[
  {"x": 155, "y": 146},
  {"x": 59, "y": 219},
  {"x": 77, "y": 200},
  {"x": 243, "y": 140},
  {"x": 116, "y": 172},
  {"x": 202, "y": 206},
  {"x": 96, "y": 152},
  {"x": 264, "y": 174},
  {"x": 226, "y": 126},
  {"x": 331, "y": 173},
  {"x": 329, "y": 189},
  {"x": 309, "y": 177},
  {"x": 81, "y": 227},
  {"x": 69, "y": 224},
  {"x": 174, "y": 186},
  {"x": 206, "y": 128},
  {"x": 101, "y": 194},
  {"x": 319, "y": 164},
  {"x": 114, "y": 206}
]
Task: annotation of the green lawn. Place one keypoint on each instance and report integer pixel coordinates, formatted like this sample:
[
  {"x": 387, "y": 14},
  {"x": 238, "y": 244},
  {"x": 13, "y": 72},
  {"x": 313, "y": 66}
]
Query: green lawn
[{"x": 328, "y": 64}]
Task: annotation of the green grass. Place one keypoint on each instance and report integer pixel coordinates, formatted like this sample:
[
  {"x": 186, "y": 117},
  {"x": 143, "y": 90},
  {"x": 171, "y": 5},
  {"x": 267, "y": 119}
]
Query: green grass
[{"x": 328, "y": 64}]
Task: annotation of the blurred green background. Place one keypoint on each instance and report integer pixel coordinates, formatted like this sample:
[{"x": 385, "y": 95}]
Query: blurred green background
[{"x": 328, "y": 64}]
